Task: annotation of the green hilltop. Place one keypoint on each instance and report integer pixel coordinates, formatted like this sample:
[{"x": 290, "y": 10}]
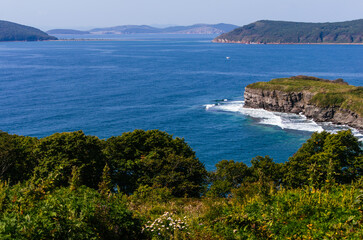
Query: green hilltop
[
  {"x": 327, "y": 93},
  {"x": 266, "y": 31},
  {"x": 10, "y": 31}
]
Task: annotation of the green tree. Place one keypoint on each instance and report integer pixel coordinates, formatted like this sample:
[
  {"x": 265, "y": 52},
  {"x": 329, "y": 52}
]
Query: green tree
[
  {"x": 17, "y": 160},
  {"x": 154, "y": 158},
  {"x": 325, "y": 157},
  {"x": 228, "y": 175},
  {"x": 63, "y": 151},
  {"x": 266, "y": 168}
]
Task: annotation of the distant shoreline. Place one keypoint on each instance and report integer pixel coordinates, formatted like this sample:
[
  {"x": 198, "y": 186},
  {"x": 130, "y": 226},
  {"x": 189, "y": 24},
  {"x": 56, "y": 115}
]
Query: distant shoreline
[
  {"x": 236, "y": 42},
  {"x": 232, "y": 42}
]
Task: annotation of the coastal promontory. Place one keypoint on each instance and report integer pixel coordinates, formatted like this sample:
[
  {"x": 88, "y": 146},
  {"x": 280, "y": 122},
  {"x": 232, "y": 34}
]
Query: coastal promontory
[
  {"x": 10, "y": 31},
  {"x": 283, "y": 32},
  {"x": 318, "y": 99}
]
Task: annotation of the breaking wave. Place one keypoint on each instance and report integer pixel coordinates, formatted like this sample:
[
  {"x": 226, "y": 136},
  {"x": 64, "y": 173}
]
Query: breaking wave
[{"x": 283, "y": 120}]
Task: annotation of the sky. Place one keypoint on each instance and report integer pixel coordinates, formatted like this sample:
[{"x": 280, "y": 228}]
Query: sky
[{"x": 87, "y": 14}]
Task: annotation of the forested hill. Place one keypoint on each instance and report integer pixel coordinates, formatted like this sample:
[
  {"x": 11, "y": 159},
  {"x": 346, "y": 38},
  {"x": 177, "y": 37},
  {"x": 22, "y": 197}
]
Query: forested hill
[
  {"x": 10, "y": 31},
  {"x": 295, "y": 32}
]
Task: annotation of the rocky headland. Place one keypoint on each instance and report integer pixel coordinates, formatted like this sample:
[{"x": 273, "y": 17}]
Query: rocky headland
[
  {"x": 283, "y": 32},
  {"x": 318, "y": 99}
]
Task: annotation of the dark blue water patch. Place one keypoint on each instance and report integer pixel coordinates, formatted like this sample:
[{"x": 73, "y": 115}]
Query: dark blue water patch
[{"x": 109, "y": 87}]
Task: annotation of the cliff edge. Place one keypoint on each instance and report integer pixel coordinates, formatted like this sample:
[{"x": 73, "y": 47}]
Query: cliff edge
[{"x": 318, "y": 99}]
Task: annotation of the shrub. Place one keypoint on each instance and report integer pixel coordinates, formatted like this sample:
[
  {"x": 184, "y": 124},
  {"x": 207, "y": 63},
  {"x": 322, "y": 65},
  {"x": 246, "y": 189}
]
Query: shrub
[
  {"x": 63, "y": 151},
  {"x": 154, "y": 158}
]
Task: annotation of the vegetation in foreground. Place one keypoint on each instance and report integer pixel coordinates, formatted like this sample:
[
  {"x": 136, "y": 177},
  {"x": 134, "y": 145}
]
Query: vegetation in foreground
[
  {"x": 149, "y": 185},
  {"x": 326, "y": 93}
]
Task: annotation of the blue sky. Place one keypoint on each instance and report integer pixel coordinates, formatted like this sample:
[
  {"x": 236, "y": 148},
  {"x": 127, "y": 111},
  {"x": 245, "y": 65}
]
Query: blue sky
[{"x": 85, "y": 14}]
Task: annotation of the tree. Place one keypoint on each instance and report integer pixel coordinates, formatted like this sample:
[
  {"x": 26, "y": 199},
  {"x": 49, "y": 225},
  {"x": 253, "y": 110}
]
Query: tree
[
  {"x": 264, "y": 168},
  {"x": 154, "y": 158},
  {"x": 228, "y": 175},
  {"x": 325, "y": 156},
  {"x": 63, "y": 151},
  {"x": 16, "y": 157}
]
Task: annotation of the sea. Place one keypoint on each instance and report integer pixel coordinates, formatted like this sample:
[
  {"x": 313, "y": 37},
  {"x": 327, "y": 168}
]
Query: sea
[{"x": 185, "y": 85}]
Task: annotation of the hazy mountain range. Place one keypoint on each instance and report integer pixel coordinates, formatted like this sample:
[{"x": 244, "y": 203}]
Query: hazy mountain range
[{"x": 134, "y": 29}]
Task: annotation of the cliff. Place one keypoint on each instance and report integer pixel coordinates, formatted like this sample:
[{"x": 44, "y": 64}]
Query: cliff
[
  {"x": 10, "y": 31},
  {"x": 276, "y": 32},
  {"x": 318, "y": 99}
]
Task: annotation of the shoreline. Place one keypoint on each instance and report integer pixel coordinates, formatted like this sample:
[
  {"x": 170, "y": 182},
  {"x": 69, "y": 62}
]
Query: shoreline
[{"x": 323, "y": 43}]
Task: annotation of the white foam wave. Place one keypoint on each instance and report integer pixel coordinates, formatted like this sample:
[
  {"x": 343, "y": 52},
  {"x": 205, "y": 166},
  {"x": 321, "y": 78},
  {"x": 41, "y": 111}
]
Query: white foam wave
[{"x": 283, "y": 120}]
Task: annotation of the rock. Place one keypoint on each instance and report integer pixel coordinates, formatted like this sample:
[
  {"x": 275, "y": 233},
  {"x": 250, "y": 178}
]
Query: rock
[{"x": 299, "y": 102}]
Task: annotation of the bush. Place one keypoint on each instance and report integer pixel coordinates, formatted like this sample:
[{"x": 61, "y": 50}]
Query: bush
[
  {"x": 154, "y": 158},
  {"x": 17, "y": 160},
  {"x": 228, "y": 175},
  {"x": 81, "y": 213},
  {"x": 63, "y": 151},
  {"x": 325, "y": 157}
]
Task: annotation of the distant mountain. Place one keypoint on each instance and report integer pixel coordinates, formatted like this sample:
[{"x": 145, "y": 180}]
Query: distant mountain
[
  {"x": 66, "y": 31},
  {"x": 201, "y": 29},
  {"x": 126, "y": 29},
  {"x": 10, "y": 31},
  {"x": 135, "y": 29},
  {"x": 295, "y": 32}
]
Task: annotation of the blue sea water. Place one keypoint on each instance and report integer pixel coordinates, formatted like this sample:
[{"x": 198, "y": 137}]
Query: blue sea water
[{"x": 180, "y": 84}]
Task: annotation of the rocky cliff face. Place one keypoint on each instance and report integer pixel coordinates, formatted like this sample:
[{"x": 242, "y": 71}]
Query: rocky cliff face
[{"x": 299, "y": 102}]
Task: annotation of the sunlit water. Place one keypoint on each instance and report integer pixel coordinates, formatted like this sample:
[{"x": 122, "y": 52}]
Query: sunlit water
[{"x": 183, "y": 85}]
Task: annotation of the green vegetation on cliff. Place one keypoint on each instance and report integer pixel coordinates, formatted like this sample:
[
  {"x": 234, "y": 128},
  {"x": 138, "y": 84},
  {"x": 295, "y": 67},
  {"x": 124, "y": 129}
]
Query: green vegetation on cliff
[
  {"x": 327, "y": 93},
  {"x": 10, "y": 31},
  {"x": 296, "y": 32},
  {"x": 149, "y": 185}
]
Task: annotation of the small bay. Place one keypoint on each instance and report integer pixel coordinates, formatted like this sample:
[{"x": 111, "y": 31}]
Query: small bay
[{"x": 184, "y": 85}]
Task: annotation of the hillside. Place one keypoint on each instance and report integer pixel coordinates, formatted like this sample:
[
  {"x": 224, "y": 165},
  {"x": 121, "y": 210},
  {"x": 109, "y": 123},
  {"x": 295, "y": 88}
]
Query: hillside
[
  {"x": 10, "y": 31},
  {"x": 319, "y": 99},
  {"x": 145, "y": 29},
  {"x": 295, "y": 32}
]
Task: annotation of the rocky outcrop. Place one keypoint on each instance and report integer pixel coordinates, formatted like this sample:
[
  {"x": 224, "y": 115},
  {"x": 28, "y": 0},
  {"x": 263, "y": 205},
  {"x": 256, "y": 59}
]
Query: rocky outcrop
[{"x": 299, "y": 102}]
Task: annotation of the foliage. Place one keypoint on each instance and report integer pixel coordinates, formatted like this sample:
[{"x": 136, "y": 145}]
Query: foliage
[
  {"x": 325, "y": 157},
  {"x": 302, "y": 213},
  {"x": 154, "y": 157},
  {"x": 155, "y": 194},
  {"x": 63, "y": 151},
  {"x": 63, "y": 213},
  {"x": 71, "y": 194},
  {"x": 17, "y": 160},
  {"x": 228, "y": 175}
]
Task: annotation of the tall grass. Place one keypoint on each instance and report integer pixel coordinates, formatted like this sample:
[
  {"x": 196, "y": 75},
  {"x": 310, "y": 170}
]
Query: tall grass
[{"x": 333, "y": 213}]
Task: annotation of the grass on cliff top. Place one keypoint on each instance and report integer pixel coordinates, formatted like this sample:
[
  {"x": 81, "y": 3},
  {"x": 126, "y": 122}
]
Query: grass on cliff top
[{"x": 326, "y": 94}]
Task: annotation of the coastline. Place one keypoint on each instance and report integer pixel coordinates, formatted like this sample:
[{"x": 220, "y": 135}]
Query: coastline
[
  {"x": 273, "y": 97},
  {"x": 276, "y": 43}
]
